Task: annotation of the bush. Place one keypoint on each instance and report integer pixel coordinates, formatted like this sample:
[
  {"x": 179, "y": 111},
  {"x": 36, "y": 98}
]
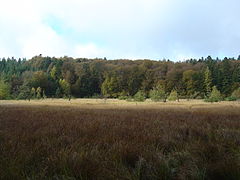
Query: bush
[
  {"x": 157, "y": 95},
  {"x": 122, "y": 97},
  {"x": 231, "y": 98},
  {"x": 129, "y": 99},
  {"x": 173, "y": 96},
  {"x": 96, "y": 96},
  {"x": 215, "y": 95},
  {"x": 139, "y": 96},
  {"x": 236, "y": 93}
]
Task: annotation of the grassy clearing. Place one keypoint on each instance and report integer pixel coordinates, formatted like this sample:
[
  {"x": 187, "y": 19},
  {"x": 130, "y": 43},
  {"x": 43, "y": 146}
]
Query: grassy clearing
[{"x": 93, "y": 139}]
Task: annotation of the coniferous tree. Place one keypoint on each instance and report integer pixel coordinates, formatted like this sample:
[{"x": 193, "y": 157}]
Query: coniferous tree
[
  {"x": 190, "y": 82},
  {"x": 207, "y": 82},
  {"x": 227, "y": 77},
  {"x": 215, "y": 95},
  {"x": 4, "y": 90}
]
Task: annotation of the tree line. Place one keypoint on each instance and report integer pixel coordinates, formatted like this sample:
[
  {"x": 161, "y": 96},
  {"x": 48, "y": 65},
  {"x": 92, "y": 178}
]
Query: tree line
[{"x": 50, "y": 77}]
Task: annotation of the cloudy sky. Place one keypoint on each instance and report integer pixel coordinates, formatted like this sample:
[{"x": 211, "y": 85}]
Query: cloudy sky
[{"x": 153, "y": 29}]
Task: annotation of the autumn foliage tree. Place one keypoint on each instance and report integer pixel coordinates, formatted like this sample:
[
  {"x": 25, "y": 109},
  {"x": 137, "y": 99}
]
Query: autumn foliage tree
[{"x": 65, "y": 87}]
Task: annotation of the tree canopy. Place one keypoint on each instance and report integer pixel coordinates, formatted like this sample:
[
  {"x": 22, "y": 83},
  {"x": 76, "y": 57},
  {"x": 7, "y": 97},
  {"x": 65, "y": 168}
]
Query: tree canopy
[{"x": 81, "y": 77}]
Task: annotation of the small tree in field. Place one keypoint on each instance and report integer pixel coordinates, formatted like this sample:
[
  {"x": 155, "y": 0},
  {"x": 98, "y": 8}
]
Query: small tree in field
[
  {"x": 173, "y": 96},
  {"x": 215, "y": 95},
  {"x": 39, "y": 91},
  {"x": 33, "y": 93},
  {"x": 139, "y": 96},
  {"x": 157, "y": 94}
]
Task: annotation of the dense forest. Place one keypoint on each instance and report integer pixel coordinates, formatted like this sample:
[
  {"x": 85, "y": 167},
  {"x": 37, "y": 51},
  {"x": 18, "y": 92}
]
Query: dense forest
[{"x": 41, "y": 77}]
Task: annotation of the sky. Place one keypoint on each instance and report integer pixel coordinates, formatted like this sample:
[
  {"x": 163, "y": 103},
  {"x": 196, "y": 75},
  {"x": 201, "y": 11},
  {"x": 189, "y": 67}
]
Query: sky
[{"x": 118, "y": 29}]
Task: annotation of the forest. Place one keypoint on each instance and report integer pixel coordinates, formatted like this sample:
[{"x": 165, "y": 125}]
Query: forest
[{"x": 50, "y": 77}]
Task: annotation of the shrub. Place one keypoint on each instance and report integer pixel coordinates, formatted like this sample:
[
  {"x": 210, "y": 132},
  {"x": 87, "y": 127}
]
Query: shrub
[
  {"x": 231, "y": 98},
  {"x": 129, "y": 99},
  {"x": 139, "y": 96},
  {"x": 122, "y": 97},
  {"x": 173, "y": 96},
  {"x": 215, "y": 95},
  {"x": 96, "y": 96},
  {"x": 236, "y": 93},
  {"x": 157, "y": 95}
]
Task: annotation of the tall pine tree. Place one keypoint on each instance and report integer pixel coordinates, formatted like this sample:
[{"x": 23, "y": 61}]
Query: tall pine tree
[
  {"x": 227, "y": 77},
  {"x": 207, "y": 82}
]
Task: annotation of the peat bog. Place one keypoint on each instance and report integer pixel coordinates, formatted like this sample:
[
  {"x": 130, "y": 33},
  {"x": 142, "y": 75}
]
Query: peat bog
[{"x": 53, "y": 142}]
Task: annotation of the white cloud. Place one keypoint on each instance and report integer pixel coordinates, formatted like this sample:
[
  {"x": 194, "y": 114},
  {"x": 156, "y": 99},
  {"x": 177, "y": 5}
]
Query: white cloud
[
  {"x": 43, "y": 40},
  {"x": 88, "y": 51},
  {"x": 120, "y": 28}
]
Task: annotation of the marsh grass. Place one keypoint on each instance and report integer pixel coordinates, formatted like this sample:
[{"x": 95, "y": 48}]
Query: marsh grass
[{"x": 119, "y": 142}]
